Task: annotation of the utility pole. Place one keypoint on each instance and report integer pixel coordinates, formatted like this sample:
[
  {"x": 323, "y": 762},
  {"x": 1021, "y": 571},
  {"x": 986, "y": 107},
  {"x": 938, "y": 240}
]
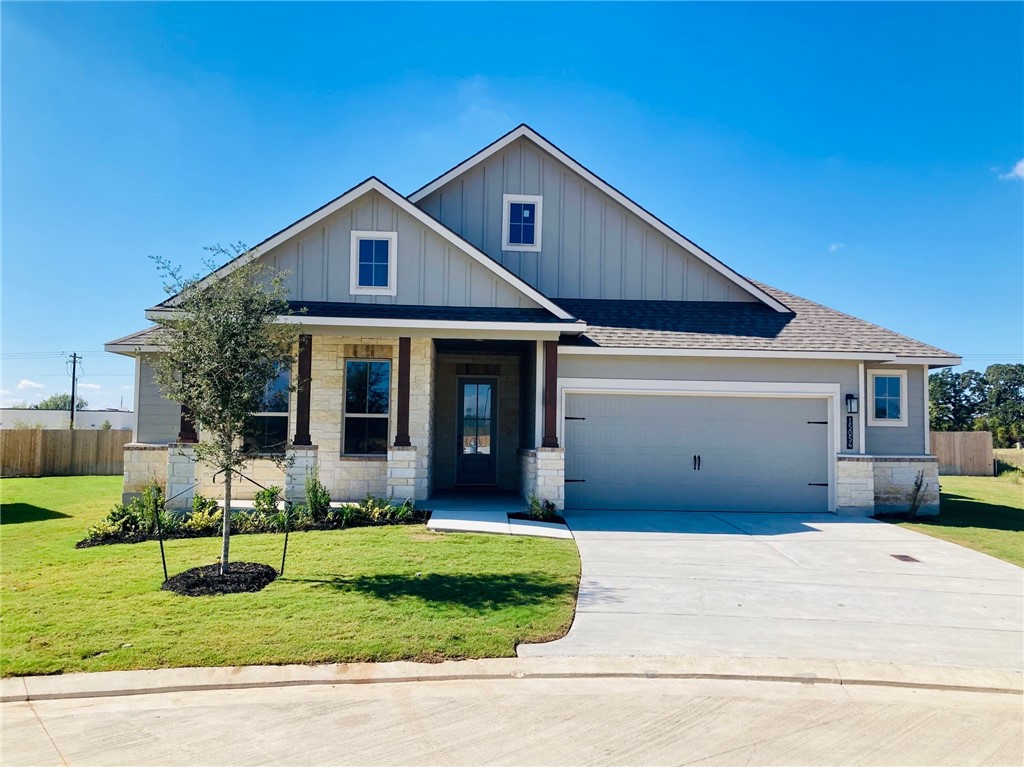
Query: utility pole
[{"x": 74, "y": 380}]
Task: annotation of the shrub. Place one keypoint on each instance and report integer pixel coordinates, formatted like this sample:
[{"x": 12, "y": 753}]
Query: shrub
[
  {"x": 318, "y": 498},
  {"x": 384, "y": 511},
  {"x": 205, "y": 521},
  {"x": 543, "y": 510},
  {"x": 265, "y": 501}
]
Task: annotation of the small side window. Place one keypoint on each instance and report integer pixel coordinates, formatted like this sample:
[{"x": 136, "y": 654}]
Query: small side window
[
  {"x": 521, "y": 222},
  {"x": 888, "y": 391}
]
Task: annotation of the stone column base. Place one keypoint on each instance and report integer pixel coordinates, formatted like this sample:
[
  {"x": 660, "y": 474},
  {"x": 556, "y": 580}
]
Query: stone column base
[
  {"x": 542, "y": 471},
  {"x": 408, "y": 473},
  {"x": 303, "y": 460},
  {"x": 143, "y": 465},
  {"x": 181, "y": 477}
]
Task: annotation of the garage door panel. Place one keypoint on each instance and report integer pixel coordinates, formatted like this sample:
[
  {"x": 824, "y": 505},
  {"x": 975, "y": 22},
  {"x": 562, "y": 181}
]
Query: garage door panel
[{"x": 636, "y": 451}]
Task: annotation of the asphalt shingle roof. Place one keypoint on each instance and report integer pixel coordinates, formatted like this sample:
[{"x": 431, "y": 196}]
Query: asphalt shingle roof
[
  {"x": 712, "y": 325},
  {"x": 721, "y": 325}
]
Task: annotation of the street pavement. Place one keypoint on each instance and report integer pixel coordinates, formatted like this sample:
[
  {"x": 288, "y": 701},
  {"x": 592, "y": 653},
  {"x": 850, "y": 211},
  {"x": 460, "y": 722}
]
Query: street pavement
[{"x": 510, "y": 721}]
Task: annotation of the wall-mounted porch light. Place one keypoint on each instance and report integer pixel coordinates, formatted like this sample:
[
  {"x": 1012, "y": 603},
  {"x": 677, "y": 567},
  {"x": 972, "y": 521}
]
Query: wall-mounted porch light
[{"x": 852, "y": 404}]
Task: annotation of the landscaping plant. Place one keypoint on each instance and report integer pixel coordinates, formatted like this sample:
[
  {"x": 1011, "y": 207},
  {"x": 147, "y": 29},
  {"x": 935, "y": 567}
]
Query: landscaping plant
[{"x": 222, "y": 347}]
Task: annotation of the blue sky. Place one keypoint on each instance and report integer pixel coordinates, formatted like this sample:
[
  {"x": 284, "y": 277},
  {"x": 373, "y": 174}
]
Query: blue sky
[{"x": 861, "y": 155}]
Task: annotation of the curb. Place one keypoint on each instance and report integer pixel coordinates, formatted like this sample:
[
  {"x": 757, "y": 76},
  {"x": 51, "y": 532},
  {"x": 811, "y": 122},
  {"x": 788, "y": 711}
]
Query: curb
[{"x": 777, "y": 670}]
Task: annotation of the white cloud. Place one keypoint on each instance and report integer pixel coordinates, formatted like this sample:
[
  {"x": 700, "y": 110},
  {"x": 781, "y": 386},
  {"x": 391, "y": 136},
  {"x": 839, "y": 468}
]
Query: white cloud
[
  {"x": 1016, "y": 174},
  {"x": 24, "y": 383},
  {"x": 835, "y": 247},
  {"x": 5, "y": 391},
  {"x": 91, "y": 387}
]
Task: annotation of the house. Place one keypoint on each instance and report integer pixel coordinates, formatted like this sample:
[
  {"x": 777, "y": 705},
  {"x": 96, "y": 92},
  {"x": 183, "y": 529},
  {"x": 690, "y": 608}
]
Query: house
[
  {"x": 26, "y": 418},
  {"x": 518, "y": 323}
]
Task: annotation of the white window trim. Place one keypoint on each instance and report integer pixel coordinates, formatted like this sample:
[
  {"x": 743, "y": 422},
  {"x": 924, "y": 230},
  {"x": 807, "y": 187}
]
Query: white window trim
[
  {"x": 392, "y": 287},
  {"x": 506, "y": 203},
  {"x": 345, "y": 415},
  {"x": 870, "y": 406}
]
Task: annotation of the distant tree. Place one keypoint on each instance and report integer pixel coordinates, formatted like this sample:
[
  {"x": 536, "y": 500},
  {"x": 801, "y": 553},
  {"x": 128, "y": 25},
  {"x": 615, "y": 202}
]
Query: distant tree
[
  {"x": 106, "y": 425},
  {"x": 60, "y": 402},
  {"x": 1004, "y": 407},
  {"x": 956, "y": 400},
  {"x": 223, "y": 346}
]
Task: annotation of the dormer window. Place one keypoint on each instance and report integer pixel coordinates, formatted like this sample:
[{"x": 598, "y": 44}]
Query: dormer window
[
  {"x": 373, "y": 263},
  {"x": 521, "y": 222}
]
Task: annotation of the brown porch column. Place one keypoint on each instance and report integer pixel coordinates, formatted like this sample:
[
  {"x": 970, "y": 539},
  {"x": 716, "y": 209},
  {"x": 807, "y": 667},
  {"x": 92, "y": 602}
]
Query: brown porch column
[
  {"x": 550, "y": 394},
  {"x": 186, "y": 427},
  {"x": 302, "y": 391},
  {"x": 404, "y": 355}
]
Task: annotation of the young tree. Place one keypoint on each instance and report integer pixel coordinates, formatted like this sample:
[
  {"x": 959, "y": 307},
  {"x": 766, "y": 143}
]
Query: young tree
[
  {"x": 223, "y": 346},
  {"x": 956, "y": 400},
  {"x": 60, "y": 402}
]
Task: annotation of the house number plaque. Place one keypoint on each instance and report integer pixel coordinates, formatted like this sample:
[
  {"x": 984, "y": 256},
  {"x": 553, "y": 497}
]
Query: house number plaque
[{"x": 849, "y": 432}]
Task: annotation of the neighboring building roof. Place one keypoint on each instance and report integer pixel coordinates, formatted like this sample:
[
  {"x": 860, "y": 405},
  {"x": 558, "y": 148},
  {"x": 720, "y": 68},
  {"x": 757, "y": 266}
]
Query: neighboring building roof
[
  {"x": 736, "y": 327},
  {"x": 528, "y": 133},
  {"x": 144, "y": 340}
]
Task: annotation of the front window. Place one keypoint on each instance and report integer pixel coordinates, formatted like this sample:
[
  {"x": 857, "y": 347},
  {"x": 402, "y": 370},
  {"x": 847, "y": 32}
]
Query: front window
[
  {"x": 367, "y": 405},
  {"x": 268, "y": 429},
  {"x": 521, "y": 222},
  {"x": 888, "y": 398},
  {"x": 373, "y": 263}
]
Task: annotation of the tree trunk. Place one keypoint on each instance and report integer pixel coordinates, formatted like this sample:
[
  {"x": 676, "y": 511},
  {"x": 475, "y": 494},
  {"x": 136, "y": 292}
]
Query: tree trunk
[{"x": 226, "y": 524}]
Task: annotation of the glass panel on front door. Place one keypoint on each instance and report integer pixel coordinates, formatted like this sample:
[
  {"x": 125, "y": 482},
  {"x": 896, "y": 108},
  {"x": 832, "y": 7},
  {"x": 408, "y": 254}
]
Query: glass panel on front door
[{"x": 476, "y": 447}]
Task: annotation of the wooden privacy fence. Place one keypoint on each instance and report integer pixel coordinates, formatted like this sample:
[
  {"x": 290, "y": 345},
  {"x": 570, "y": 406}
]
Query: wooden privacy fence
[
  {"x": 62, "y": 452},
  {"x": 963, "y": 452}
]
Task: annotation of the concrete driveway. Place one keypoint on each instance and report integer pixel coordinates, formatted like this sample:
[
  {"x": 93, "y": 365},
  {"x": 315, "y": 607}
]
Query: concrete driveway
[{"x": 788, "y": 586}]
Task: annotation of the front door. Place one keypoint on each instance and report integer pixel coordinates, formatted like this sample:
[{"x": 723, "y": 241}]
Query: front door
[{"x": 477, "y": 446}]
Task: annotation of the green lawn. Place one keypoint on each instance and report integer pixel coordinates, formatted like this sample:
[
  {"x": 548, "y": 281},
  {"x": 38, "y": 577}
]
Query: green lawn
[
  {"x": 367, "y": 594},
  {"x": 983, "y": 513}
]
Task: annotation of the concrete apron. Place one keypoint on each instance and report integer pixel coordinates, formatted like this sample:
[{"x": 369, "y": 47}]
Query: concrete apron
[
  {"x": 802, "y": 672},
  {"x": 788, "y": 586}
]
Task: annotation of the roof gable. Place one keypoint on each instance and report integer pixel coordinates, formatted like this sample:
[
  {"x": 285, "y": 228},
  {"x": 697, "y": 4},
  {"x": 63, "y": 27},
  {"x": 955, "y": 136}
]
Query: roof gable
[
  {"x": 427, "y": 194},
  {"x": 435, "y": 265}
]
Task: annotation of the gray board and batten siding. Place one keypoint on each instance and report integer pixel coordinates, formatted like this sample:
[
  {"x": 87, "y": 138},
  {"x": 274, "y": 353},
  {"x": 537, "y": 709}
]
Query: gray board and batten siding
[
  {"x": 880, "y": 440},
  {"x": 592, "y": 247},
  {"x": 430, "y": 270},
  {"x": 159, "y": 418}
]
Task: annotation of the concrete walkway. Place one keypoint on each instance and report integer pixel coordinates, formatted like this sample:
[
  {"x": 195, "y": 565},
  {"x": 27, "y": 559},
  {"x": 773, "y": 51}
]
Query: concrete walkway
[
  {"x": 788, "y": 586},
  {"x": 520, "y": 711},
  {"x": 487, "y": 513}
]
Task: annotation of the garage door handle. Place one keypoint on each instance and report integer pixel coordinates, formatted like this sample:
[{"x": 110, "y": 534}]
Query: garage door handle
[{"x": 817, "y": 484}]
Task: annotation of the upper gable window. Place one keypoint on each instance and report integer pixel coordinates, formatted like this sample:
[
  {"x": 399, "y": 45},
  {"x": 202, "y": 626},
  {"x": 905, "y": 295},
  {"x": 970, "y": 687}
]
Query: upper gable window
[
  {"x": 373, "y": 263},
  {"x": 888, "y": 398},
  {"x": 521, "y": 222}
]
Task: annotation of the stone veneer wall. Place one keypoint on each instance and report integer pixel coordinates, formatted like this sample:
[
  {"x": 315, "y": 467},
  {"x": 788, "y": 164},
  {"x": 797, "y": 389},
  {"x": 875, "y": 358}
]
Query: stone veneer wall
[
  {"x": 143, "y": 465},
  {"x": 894, "y": 483},
  {"x": 542, "y": 471},
  {"x": 262, "y": 470},
  {"x": 871, "y": 484}
]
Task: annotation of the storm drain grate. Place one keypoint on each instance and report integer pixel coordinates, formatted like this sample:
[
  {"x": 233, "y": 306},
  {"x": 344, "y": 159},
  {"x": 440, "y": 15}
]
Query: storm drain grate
[{"x": 904, "y": 558}]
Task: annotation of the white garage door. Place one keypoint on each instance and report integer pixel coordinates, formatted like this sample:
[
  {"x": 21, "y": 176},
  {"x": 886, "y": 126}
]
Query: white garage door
[{"x": 696, "y": 453}]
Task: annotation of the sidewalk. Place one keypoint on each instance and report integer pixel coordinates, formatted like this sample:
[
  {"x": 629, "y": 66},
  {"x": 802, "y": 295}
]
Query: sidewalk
[{"x": 803, "y": 672}]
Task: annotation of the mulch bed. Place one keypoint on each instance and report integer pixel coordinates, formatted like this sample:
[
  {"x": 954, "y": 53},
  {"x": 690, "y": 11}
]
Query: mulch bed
[
  {"x": 523, "y": 515},
  {"x": 207, "y": 581}
]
